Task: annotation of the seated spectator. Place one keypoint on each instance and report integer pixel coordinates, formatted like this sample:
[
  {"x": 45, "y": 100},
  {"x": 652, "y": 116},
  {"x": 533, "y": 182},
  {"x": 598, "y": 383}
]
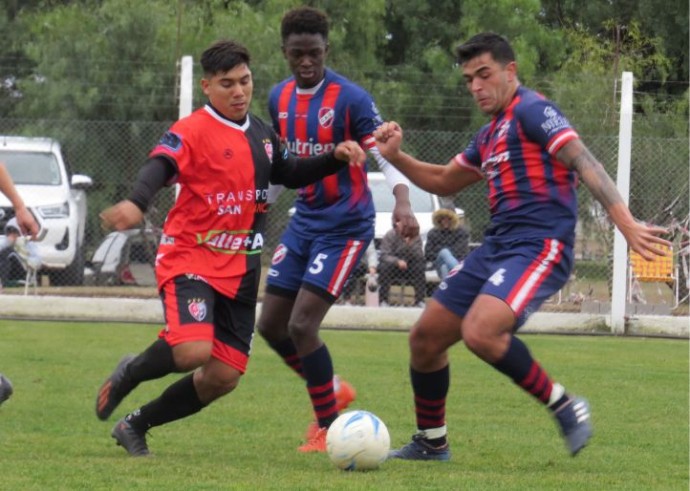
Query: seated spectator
[
  {"x": 367, "y": 266},
  {"x": 447, "y": 243},
  {"x": 17, "y": 253},
  {"x": 402, "y": 260}
]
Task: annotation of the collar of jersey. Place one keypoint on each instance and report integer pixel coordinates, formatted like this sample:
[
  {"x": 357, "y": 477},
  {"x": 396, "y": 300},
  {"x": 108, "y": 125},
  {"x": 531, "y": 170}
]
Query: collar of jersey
[
  {"x": 242, "y": 126},
  {"x": 312, "y": 90}
]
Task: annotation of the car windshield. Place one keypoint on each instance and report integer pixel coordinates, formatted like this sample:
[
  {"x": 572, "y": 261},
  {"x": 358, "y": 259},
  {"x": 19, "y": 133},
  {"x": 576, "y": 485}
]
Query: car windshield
[
  {"x": 36, "y": 168},
  {"x": 384, "y": 200}
]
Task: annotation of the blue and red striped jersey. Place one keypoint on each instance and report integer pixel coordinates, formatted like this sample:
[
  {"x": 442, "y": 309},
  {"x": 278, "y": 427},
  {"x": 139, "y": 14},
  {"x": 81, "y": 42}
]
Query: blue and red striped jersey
[
  {"x": 531, "y": 193},
  {"x": 315, "y": 123}
]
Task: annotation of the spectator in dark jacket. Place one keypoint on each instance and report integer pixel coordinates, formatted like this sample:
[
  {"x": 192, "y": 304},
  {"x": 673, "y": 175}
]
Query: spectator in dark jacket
[
  {"x": 402, "y": 260},
  {"x": 447, "y": 243}
]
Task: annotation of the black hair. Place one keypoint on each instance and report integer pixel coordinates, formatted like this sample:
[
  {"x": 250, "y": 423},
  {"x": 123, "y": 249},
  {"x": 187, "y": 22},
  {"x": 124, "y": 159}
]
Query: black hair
[
  {"x": 223, "y": 56},
  {"x": 304, "y": 20},
  {"x": 486, "y": 42}
]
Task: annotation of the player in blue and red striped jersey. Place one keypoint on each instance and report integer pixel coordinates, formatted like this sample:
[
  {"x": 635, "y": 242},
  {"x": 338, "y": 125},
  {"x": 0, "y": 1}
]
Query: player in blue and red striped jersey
[
  {"x": 334, "y": 220},
  {"x": 531, "y": 158}
]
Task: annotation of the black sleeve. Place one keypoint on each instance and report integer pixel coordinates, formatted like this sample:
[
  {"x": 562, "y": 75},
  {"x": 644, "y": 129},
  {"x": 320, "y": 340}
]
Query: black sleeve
[
  {"x": 152, "y": 177},
  {"x": 293, "y": 172}
]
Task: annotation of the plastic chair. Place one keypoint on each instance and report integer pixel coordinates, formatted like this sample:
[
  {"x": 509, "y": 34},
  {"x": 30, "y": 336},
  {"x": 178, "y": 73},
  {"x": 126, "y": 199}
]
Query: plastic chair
[{"x": 661, "y": 269}]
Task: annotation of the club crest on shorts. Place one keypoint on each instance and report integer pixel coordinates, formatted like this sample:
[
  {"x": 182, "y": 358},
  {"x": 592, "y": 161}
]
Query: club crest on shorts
[
  {"x": 279, "y": 254},
  {"x": 197, "y": 309}
]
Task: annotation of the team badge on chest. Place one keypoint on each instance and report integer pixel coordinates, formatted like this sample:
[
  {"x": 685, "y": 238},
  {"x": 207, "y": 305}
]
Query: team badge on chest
[{"x": 326, "y": 116}]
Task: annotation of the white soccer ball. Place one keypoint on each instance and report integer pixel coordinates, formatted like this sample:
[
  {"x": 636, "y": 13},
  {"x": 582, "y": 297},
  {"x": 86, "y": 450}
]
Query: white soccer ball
[{"x": 357, "y": 441}]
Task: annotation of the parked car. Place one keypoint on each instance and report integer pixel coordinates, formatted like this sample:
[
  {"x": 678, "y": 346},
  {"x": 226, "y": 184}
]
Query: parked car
[
  {"x": 424, "y": 205},
  {"x": 125, "y": 257},
  {"x": 55, "y": 197}
]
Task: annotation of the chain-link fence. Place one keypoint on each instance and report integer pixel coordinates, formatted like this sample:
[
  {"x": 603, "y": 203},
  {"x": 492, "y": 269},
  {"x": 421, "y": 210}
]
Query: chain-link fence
[{"x": 110, "y": 154}]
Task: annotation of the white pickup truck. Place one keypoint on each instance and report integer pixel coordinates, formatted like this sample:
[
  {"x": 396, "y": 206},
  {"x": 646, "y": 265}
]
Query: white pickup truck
[{"x": 57, "y": 200}]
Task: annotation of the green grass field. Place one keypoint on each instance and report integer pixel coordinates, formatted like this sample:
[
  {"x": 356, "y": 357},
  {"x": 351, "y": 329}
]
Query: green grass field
[{"x": 501, "y": 439}]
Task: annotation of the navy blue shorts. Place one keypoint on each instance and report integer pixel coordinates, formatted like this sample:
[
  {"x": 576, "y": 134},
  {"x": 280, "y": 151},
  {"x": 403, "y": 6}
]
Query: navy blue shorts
[
  {"x": 324, "y": 262},
  {"x": 523, "y": 273}
]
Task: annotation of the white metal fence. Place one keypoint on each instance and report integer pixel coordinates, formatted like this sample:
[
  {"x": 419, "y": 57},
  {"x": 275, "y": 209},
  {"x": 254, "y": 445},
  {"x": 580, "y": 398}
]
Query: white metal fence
[{"x": 110, "y": 152}]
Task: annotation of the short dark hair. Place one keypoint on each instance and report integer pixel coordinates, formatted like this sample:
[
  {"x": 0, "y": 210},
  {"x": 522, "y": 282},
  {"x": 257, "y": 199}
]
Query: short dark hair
[
  {"x": 303, "y": 20},
  {"x": 486, "y": 42},
  {"x": 223, "y": 56}
]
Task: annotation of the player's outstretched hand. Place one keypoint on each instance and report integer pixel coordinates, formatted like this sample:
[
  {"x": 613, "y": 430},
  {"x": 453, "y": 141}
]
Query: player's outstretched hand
[
  {"x": 121, "y": 216},
  {"x": 644, "y": 239},
  {"x": 350, "y": 151},
  {"x": 27, "y": 222},
  {"x": 388, "y": 139},
  {"x": 404, "y": 221}
]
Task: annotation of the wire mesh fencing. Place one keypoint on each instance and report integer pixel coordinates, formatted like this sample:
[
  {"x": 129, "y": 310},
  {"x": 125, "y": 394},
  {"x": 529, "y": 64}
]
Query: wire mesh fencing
[{"x": 110, "y": 153}]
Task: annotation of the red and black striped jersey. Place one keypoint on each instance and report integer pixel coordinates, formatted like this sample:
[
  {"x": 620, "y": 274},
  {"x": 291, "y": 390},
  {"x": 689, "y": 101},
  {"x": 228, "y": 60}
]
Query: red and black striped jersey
[{"x": 215, "y": 228}]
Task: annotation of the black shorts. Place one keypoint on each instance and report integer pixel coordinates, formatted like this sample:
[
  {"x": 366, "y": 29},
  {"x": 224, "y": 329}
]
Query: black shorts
[{"x": 194, "y": 311}]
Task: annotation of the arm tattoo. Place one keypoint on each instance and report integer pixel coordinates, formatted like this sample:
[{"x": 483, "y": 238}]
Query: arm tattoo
[{"x": 576, "y": 156}]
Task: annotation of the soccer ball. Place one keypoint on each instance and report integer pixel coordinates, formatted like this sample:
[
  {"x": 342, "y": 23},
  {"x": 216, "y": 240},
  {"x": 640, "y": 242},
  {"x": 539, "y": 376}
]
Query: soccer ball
[{"x": 357, "y": 441}]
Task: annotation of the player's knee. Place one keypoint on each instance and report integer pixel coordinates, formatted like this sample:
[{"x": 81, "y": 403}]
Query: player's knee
[
  {"x": 225, "y": 385},
  {"x": 423, "y": 345},
  {"x": 483, "y": 342},
  {"x": 302, "y": 331},
  {"x": 192, "y": 357},
  {"x": 212, "y": 386},
  {"x": 271, "y": 330},
  {"x": 264, "y": 331}
]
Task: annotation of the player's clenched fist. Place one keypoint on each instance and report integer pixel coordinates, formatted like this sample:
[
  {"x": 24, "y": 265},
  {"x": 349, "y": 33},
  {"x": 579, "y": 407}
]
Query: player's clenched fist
[
  {"x": 121, "y": 216},
  {"x": 350, "y": 151},
  {"x": 388, "y": 139}
]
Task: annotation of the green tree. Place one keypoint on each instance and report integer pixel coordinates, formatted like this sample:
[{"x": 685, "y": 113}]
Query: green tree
[{"x": 664, "y": 21}]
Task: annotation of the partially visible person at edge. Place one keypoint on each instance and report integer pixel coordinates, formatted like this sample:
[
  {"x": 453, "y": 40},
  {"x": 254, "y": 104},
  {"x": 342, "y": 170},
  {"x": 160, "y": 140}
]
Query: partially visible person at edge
[
  {"x": 17, "y": 254},
  {"x": 313, "y": 110},
  {"x": 28, "y": 226},
  {"x": 207, "y": 265},
  {"x": 531, "y": 158},
  {"x": 447, "y": 243}
]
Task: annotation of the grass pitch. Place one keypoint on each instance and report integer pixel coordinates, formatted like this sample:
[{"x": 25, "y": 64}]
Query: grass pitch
[{"x": 500, "y": 438}]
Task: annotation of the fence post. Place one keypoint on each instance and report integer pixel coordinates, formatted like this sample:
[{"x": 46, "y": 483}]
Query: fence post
[
  {"x": 186, "y": 94},
  {"x": 620, "y": 247},
  {"x": 186, "y": 86}
]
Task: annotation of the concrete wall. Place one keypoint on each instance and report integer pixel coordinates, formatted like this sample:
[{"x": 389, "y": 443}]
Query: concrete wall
[{"x": 339, "y": 317}]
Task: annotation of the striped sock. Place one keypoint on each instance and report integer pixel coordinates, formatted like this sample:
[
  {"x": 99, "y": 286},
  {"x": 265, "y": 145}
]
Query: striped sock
[
  {"x": 430, "y": 391},
  {"x": 288, "y": 352},
  {"x": 318, "y": 370},
  {"x": 519, "y": 365}
]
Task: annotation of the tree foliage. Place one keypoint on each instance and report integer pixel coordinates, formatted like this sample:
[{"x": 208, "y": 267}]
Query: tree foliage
[
  {"x": 117, "y": 59},
  {"x": 85, "y": 62}
]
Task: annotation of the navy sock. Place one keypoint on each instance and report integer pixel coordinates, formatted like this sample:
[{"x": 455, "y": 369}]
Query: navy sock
[
  {"x": 430, "y": 391},
  {"x": 288, "y": 352},
  {"x": 518, "y": 364},
  {"x": 318, "y": 371}
]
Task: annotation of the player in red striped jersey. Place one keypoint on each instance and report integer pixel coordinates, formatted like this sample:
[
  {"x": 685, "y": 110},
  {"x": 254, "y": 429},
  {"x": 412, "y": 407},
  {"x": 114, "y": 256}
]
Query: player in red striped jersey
[
  {"x": 208, "y": 262},
  {"x": 531, "y": 158},
  {"x": 334, "y": 220}
]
